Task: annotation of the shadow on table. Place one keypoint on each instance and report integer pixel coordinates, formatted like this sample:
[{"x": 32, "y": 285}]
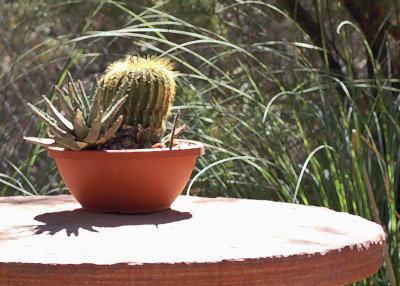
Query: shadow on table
[{"x": 73, "y": 220}]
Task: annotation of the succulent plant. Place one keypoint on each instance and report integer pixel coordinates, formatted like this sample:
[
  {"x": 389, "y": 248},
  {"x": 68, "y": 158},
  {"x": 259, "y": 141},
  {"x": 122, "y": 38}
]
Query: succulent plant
[
  {"x": 150, "y": 89},
  {"x": 83, "y": 122}
]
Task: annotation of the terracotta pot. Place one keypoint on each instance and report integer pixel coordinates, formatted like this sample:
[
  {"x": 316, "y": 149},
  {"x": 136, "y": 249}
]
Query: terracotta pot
[{"x": 127, "y": 181}]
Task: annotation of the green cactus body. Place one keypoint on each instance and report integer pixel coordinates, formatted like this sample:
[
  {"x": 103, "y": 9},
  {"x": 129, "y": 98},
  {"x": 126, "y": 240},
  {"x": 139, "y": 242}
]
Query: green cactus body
[
  {"x": 150, "y": 89},
  {"x": 83, "y": 122}
]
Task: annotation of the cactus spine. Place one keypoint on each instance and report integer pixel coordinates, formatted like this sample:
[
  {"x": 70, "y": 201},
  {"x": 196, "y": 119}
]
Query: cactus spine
[{"x": 150, "y": 89}]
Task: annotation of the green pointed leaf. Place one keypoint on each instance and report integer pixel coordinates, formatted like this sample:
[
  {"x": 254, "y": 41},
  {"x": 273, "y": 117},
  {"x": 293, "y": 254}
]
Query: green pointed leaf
[
  {"x": 45, "y": 142},
  {"x": 82, "y": 145},
  {"x": 49, "y": 122},
  {"x": 84, "y": 97},
  {"x": 95, "y": 86},
  {"x": 110, "y": 132},
  {"x": 66, "y": 104},
  {"x": 70, "y": 77},
  {"x": 120, "y": 94},
  {"x": 76, "y": 97},
  {"x": 95, "y": 109},
  {"x": 70, "y": 143},
  {"x": 80, "y": 127},
  {"x": 110, "y": 115},
  {"x": 62, "y": 122},
  {"x": 94, "y": 131}
]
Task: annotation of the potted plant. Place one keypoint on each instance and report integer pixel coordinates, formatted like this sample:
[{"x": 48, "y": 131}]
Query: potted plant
[{"x": 106, "y": 143}]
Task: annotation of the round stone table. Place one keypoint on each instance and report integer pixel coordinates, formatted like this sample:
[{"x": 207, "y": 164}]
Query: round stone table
[{"x": 51, "y": 241}]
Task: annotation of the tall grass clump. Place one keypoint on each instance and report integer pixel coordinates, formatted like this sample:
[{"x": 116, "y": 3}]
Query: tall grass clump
[
  {"x": 296, "y": 101},
  {"x": 309, "y": 114}
]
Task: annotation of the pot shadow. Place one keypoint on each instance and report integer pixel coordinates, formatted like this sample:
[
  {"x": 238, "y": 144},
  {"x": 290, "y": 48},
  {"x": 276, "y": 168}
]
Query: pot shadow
[{"x": 74, "y": 220}]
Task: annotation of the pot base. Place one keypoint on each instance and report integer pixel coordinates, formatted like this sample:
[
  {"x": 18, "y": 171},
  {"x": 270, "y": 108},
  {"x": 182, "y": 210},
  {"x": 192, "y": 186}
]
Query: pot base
[{"x": 127, "y": 212}]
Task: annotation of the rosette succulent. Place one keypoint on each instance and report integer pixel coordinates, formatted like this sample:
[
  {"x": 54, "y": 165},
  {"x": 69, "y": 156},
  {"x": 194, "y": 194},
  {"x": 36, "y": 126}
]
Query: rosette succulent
[{"x": 83, "y": 122}]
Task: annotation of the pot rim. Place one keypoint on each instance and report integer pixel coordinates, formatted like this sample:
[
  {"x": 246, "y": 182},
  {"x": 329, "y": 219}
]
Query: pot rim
[{"x": 194, "y": 148}]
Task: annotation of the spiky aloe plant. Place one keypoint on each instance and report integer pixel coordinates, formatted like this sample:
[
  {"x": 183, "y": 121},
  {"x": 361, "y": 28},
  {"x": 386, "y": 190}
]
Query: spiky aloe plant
[
  {"x": 83, "y": 123},
  {"x": 151, "y": 90}
]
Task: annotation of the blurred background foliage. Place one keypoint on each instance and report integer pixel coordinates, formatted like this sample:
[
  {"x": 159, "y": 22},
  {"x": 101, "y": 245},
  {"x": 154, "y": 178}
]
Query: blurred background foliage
[{"x": 295, "y": 100}]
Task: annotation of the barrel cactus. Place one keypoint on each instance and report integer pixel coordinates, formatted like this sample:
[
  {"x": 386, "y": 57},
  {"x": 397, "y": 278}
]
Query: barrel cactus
[
  {"x": 150, "y": 90},
  {"x": 83, "y": 123}
]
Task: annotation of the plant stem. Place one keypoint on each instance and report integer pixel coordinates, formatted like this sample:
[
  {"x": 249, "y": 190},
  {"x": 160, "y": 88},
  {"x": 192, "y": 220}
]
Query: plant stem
[{"x": 173, "y": 130}]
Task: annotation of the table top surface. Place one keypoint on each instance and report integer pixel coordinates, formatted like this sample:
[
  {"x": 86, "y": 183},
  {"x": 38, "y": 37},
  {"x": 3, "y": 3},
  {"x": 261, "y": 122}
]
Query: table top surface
[{"x": 216, "y": 236}]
